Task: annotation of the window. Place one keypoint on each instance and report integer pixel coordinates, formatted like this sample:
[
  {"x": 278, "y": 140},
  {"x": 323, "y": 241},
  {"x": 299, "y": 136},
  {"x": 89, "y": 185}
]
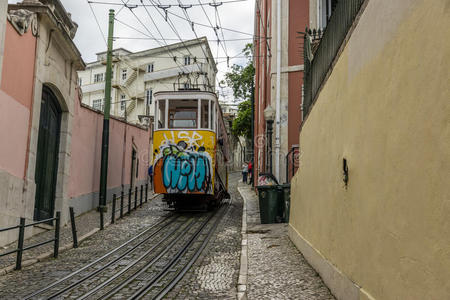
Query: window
[
  {"x": 324, "y": 10},
  {"x": 98, "y": 77},
  {"x": 112, "y": 74},
  {"x": 80, "y": 81},
  {"x": 124, "y": 74},
  {"x": 123, "y": 104},
  {"x": 204, "y": 114},
  {"x": 161, "y": 114},
  {"x": 211, "y": 119},
  {"x": 150, "y": 68},
  {"x": 186, "y": 85},
  {"x": 187, "y": 60},
  {"x": 98, "y": 104},
  {"x": 148, "y": 96},
  {"x": 183, "y": 113}
]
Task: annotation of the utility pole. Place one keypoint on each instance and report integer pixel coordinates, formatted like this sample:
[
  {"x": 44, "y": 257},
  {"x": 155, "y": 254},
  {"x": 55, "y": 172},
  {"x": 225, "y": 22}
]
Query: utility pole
[{"x": 105, "y": 135}]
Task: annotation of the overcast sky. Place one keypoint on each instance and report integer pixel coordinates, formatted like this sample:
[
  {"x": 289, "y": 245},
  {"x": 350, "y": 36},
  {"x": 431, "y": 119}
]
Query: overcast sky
[{"x": 234, "y": 15}]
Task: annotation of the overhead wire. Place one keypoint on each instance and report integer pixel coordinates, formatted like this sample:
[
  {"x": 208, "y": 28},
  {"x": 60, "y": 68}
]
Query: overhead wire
[
  {"x": 98, "y": 24},
  {"x": 173, "y": 14},
  {"x": 172, "y": 26},
  {"x": 153, "y": 5},
  {"x": 166, "y": 44},
  {"x": 196, "y": 35}
]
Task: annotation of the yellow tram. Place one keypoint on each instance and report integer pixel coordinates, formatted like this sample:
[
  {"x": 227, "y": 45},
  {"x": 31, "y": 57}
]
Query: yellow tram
[{"x": 190, "y": 149}]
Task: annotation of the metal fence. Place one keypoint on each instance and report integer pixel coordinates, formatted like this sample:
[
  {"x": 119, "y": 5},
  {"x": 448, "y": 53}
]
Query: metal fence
[
  {"x": 20, "y": 241},
  {"x": 317, "y": 63}
]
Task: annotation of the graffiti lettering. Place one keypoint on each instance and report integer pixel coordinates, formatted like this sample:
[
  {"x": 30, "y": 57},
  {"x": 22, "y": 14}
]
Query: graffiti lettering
[{"x": 185, "y": 169}]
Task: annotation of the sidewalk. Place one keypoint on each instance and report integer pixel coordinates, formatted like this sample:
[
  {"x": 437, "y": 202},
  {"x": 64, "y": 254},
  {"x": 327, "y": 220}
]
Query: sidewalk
[
  {"x": 271, "y": 266},
  {"x": 87, "y": 224}
]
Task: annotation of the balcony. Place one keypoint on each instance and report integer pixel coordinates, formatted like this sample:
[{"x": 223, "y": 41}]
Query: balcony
[{"x": 319, "y": 53}]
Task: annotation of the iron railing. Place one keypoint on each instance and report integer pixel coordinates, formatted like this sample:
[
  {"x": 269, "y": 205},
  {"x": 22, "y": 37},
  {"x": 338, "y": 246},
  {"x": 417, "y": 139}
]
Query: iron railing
[
  {"x": 122, "y": 205},
  {"x": 318, "y": 63},
  {"x": 20, "y": 241}
]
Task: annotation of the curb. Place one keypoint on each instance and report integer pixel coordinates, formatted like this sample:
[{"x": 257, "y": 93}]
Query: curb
[
  {"x": 243, "y": 270},
  {"x": 45, "y": 255}
]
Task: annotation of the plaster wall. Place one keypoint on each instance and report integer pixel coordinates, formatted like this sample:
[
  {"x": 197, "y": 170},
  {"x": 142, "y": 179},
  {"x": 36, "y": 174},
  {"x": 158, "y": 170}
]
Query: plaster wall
[
  {"x": 3, "y": 9},
  {"x": 86, "y": 157},
  {"x": 16, "y": 94},
  {"x": 385, "y": 108},
  {"x": 15, "y": 104}
]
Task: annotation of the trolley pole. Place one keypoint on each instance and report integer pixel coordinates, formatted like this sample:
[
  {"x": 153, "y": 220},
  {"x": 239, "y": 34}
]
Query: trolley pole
[{"x": 105, "y": 135}]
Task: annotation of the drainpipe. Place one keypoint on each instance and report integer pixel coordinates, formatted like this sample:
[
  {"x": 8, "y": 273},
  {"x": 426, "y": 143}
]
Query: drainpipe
[
  {"x": 3, "y": 12},
  {"x": 278, "y": 94}
]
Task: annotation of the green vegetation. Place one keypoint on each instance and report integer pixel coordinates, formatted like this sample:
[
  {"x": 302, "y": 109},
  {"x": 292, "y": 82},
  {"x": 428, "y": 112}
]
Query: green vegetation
[{"x": 240, "y": 79}]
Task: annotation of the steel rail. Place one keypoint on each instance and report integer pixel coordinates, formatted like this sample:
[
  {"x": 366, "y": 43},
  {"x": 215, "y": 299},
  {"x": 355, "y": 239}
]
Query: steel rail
[
  {"x": 142, "y": 291},
  {"x": 149, "y": 264},
  {"x": 193, "y": 259},
  {"x": 71, "y": 286},
  {"x": 99, "y": 259}
]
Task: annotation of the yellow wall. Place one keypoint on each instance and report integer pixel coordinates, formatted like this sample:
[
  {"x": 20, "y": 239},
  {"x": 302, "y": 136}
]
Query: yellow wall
[{"x": 386, "y": 109}]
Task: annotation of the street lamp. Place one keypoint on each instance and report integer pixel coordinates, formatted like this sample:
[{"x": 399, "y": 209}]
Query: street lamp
[{"x": 269, "y": 116}]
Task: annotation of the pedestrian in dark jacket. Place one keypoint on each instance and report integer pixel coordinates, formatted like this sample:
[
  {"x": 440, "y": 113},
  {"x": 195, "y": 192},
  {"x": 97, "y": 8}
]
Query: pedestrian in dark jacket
[{"x": 150, "y": 175}]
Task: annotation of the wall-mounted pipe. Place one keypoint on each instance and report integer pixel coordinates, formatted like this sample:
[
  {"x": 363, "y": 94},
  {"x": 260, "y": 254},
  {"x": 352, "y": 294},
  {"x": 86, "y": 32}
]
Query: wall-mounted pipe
[{"x": 278, "y": 94}]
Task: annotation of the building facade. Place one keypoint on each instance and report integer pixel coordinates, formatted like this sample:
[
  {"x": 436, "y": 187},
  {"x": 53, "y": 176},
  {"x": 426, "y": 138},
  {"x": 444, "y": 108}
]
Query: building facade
[
  {"x": 370, "y": 205},
  {"x": 50, "y": 154},
  {"x": 137, "y": 76},
  {"x": 278, "y": 84}
]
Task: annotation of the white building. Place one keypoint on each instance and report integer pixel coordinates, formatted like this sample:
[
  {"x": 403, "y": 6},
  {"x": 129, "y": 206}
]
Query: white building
[{"x": 137, "y": 76}]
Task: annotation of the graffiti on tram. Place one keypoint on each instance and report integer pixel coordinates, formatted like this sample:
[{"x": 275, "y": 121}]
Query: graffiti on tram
[{"x": 183, "y": 163}]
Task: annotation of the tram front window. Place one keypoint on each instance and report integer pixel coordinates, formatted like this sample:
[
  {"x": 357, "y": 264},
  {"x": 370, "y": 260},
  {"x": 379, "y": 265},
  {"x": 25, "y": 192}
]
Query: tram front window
[
  {"x": 161, "y": 114},
  {"x": 183, "y": 114}
]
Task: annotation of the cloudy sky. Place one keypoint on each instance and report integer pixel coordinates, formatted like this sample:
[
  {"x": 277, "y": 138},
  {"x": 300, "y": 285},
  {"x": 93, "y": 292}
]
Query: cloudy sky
[{"x": 235, "y": 15}]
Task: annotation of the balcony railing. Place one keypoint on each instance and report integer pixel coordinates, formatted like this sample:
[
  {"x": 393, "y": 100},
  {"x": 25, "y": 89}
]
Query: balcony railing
[{"x": 318, "y": 62}]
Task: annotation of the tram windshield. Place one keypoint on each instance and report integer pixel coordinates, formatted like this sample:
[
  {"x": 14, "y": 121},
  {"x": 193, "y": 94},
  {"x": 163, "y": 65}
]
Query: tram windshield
[{"x": 185, "y": 114}]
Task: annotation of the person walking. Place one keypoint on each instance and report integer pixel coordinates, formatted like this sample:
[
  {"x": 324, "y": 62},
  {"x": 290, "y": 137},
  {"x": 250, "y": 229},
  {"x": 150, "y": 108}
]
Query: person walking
[
  {"x": 150, "y": 175},
  {"x": 244, "y": 172},
  {"x": 250, "y": 172}
]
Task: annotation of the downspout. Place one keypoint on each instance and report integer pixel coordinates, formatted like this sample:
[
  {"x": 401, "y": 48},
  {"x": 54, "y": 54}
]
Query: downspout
[{"x": 278, "y": 94}]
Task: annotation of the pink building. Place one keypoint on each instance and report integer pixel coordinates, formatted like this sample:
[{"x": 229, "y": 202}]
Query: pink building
[
  {"x": 50, "y": 149},
  {"x": 277, "y": 27}
]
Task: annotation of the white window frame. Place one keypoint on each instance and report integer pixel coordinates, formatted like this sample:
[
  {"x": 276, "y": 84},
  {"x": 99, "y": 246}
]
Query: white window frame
[
  {"x": 150, "y": 67},
  {"x": 98, "y": 77},
  {"x": 148, "y": 96},
  {"x": 187, "y": 60},
  {"x": 124, "y": 74},
  {"x": 123, "y": 104},
  {"x": 95, "y": 104}
]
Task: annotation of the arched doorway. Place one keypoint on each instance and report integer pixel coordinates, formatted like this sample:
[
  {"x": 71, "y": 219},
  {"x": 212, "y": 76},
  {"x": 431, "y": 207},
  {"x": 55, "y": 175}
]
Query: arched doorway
[{"x": 47, "y": 155}]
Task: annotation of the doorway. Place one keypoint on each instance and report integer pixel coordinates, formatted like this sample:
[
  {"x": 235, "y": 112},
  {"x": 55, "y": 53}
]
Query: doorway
[
  {"x": 133, "y": 168},
  {"x": 47, "y": 155}
]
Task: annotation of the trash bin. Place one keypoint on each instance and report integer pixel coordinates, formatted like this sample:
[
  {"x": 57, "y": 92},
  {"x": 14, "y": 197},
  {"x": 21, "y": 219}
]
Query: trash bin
[
  {"x": 269, "y": 204},
  {"x": 286, "y": 202}
]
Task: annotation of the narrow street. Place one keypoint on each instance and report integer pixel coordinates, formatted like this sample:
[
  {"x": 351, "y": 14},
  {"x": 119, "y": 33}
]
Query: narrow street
[{"x": 147, "y": 242}]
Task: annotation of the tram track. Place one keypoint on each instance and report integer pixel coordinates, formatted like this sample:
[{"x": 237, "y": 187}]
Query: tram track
[{"x": 148, "y": 265}]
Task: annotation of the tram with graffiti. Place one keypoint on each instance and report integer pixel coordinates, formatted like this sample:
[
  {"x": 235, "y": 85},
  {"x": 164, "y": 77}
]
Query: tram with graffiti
[{"x": 190, "y": 149}]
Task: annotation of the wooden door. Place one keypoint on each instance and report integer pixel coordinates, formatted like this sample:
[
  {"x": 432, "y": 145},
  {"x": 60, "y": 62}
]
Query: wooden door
[{"x": 47, "y": 156}]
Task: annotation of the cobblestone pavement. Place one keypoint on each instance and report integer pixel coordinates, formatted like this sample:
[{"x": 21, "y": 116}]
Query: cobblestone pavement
[
  {"x": 215, "y": 274},
  {"x": 276, "y": 269},
  {"x": 17, "y": 284},
  {"x": 85, "y": 223}
]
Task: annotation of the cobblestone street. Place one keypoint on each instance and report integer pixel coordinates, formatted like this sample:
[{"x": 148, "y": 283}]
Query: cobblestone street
[
  {"x": 276, "y": 269},
  {"x": 17, "y": 284}
]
